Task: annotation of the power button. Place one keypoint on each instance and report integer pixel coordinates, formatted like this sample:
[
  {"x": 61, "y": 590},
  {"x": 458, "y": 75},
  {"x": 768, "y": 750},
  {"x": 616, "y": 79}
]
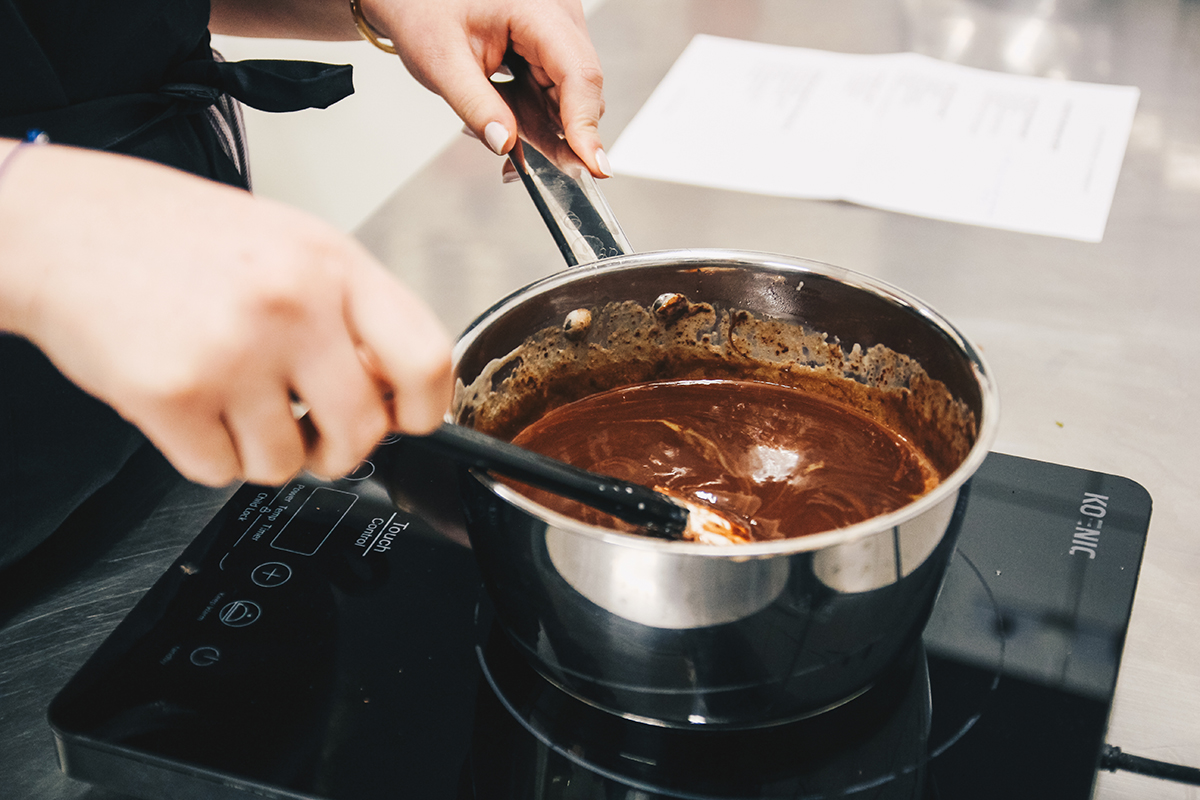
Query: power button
[{"x": 205, "y": 656}]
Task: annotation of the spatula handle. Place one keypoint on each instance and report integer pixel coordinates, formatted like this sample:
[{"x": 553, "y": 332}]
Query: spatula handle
[{"x": 630, "y": 502}]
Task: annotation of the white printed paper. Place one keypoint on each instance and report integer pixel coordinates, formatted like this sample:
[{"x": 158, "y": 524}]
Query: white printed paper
[{"x": 900, "y": 131}]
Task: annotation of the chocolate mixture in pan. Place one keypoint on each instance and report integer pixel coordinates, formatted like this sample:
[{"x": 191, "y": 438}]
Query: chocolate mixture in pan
[
  {"x": 782, "y": 425},
  {"x": 788, "y": 461}
]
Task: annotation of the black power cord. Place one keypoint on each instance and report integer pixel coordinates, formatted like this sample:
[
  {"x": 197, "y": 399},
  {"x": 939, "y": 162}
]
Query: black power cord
[{"x": 1113, "y": 759}]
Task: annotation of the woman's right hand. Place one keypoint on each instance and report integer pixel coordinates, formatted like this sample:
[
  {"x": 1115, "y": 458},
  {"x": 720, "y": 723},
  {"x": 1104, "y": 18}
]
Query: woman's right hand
[{"x": 200, "y": 313}]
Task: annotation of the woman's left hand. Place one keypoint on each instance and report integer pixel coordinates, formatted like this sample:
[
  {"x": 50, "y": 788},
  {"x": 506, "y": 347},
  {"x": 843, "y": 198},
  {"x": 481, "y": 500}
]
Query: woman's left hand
[{"x": 453, "y": 46}]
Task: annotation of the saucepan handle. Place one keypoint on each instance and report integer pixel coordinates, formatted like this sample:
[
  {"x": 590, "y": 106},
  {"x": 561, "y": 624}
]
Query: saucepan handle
[{"x": 562, "y": 188}]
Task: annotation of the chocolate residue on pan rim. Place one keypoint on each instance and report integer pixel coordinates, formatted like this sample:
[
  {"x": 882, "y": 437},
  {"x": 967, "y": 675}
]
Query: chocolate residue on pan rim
[{"x": 625, "y": 343}]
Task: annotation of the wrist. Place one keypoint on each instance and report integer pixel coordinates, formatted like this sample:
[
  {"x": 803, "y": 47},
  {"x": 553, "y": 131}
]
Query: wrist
[
  {"x": 16, "y": 279},
  {"x": 367, "y": 29},
  {"x": 13, "y": 148}
]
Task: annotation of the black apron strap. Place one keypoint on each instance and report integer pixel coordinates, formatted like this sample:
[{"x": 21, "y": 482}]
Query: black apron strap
[{"x": 268, "y": 85}]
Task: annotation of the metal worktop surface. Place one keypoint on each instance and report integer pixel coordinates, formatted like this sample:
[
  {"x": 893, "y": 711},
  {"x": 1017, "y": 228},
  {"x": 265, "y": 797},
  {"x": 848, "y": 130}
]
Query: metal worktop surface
[{"x": 1095, "y": 347}]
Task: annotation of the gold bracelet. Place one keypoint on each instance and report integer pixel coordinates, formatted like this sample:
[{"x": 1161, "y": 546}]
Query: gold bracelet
[{"x": 368, "y": 30}]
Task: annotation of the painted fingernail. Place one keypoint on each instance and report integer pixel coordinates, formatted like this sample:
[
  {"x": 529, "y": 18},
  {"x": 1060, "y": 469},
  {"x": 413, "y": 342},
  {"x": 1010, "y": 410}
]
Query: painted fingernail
[
  {"x": 509, "y": 173},
  {"x": 602, "y": 162},
  {"x": 496, "y": 136}
]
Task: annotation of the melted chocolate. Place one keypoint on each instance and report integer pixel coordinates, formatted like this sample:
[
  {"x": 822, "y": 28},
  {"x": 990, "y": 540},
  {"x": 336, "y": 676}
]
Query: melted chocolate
[{"x": 788, "y": 461}]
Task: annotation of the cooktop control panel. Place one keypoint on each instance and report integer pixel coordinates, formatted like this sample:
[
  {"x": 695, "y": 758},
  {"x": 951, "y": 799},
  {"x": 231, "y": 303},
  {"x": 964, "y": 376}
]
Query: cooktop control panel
[{"x": 313, "y": 636}]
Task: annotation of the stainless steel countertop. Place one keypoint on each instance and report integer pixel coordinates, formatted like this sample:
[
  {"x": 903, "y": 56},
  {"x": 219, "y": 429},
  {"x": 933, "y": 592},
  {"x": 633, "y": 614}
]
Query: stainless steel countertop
[{"x": 1094, "y": 346}]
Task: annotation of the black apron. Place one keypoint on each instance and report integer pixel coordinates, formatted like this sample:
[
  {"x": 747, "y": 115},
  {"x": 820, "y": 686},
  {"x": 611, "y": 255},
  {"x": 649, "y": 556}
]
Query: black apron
[{"x": 136, "y": 77}]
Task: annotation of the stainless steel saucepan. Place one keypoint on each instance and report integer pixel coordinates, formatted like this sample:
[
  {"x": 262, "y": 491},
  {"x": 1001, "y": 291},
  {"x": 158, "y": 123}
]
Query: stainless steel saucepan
[{"x": 684, "y": 634}]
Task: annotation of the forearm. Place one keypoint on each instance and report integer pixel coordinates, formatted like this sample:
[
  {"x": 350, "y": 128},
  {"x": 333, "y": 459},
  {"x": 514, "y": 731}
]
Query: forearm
[{"x": 284, "y": 19}]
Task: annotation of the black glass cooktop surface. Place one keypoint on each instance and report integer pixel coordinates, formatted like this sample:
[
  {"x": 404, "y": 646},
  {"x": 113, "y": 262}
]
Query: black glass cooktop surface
[{"x": 316, "y": 641}]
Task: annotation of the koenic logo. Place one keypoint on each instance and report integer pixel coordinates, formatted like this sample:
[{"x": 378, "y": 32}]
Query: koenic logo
[{"x": 1087, "y": 530}]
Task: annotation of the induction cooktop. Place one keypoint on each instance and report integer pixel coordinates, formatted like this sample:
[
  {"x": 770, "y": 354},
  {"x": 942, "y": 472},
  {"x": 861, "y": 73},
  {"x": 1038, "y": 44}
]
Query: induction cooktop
[{"x": 332, "y": 640}]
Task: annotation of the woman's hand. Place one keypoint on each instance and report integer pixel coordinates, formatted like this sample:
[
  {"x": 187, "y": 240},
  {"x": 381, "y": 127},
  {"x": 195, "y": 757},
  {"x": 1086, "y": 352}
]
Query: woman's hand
[
  {"x": 200, "y": 313},
  {"x": 453, "y": 46}
]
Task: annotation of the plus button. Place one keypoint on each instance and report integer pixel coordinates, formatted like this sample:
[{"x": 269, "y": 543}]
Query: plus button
[{"x": 271, "y": 574}]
